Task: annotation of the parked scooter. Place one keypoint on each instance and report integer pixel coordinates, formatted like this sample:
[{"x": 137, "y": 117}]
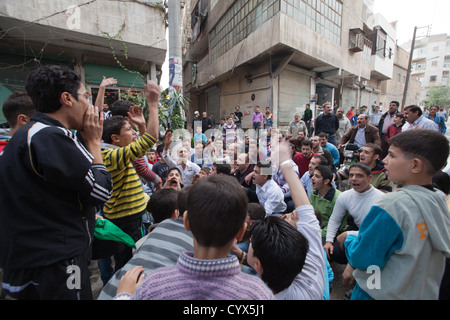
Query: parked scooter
[{"x": 351, "y": 154}]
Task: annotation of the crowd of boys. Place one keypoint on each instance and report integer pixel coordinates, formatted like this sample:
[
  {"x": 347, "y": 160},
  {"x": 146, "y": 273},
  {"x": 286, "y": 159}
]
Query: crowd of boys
[{"x": 67, "y": 165}]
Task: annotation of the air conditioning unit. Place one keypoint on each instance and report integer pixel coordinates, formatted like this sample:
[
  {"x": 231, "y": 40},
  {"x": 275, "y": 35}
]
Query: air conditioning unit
[{"x": 356, "y": 42}]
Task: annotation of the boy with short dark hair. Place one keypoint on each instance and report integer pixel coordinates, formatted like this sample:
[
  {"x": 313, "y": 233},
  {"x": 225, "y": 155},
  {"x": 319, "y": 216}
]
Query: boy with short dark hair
[
  {"x": 287, "y": 253},
  {"x": 405, "y": 237},
  {"x": 163, "y": 204},
  {"x": 18, "y": 109},
  {"x": 50, "y": 183},
  {"x": 217, "y": 207},
  {"x": 128, "y": 202}
]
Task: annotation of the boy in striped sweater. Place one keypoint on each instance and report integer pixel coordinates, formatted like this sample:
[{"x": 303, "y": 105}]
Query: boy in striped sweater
[{"x": 128, "y": 201}]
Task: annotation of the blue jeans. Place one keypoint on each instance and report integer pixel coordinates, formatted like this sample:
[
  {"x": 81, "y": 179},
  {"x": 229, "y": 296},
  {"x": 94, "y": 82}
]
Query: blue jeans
[{"x": 332, "y": 139}]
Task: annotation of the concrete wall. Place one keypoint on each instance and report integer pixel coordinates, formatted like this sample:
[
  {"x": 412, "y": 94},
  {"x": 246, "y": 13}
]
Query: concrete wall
[{"x": 143, "y": 22}]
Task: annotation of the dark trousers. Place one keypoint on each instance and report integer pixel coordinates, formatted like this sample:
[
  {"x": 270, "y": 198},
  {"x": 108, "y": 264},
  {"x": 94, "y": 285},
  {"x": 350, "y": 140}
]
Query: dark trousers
[
  {"x": 133, "y": 226},
  {"x": 64, "y": 280}
]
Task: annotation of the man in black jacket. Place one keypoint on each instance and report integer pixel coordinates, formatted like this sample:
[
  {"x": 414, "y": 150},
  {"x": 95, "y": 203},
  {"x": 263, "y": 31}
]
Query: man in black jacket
[
  {"x": 207, "y": 123},
  {"x": 327, "y": 122},
  {"x": 50, "y": 183},
  {"x": 386, "y": 121}
]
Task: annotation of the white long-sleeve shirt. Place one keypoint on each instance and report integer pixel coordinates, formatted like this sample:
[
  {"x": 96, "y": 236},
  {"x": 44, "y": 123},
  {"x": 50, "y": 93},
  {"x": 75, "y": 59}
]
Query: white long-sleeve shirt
[
  {"x": 309, "y": 283},
  {"x": 356, "y": 204},
  {"x": 271, "y": 197},
  {"x": 188, "y": 173}
]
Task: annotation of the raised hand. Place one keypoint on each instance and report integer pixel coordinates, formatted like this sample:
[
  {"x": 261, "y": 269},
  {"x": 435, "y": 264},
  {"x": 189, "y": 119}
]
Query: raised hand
[
  {"x": 137, "y": 117},
  {"x": 152, "y": 92},
  {"x": 106, "y": 82}
]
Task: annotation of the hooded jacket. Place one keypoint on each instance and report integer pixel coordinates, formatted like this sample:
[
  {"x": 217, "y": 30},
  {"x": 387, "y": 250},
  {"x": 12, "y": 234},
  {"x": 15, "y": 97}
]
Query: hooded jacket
[{"x": 406, "y": 235}]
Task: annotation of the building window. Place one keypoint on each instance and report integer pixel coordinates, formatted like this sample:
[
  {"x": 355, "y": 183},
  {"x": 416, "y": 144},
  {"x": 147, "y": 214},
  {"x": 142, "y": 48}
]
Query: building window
[
  {"x": 241, "y": 19},
  {"x": 447, "y": 62},
  {"x": 322, "y": 16},
  {"x": 433, "y": 78}
]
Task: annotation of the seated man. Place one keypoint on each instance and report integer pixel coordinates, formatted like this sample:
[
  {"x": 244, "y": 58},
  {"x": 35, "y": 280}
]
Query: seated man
[
  {"x": 317, "y": 149},
  {"x": 316, "y": 160},
  {"x": 330, "y": 147},
  {"x": 357, "y": 203},
  {"x": 370, "y": 155},
  {"x": 278, "y": 177},
  {"x": 324, "y": 195},
  {"x": 268, "y": 192},
  {"x": 362, "y": 133},
  {"x": 302, "y": 159}
]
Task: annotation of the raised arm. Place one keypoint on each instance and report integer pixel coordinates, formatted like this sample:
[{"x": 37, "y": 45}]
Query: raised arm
[
  {"x": 298, "y": 193},
  {"x": 106, "y": 82},
  {"x": 152, "y": 92}
]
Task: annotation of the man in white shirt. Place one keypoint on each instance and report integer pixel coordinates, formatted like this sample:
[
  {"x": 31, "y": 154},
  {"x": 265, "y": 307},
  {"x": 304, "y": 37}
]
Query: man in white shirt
[
  {"x": 187, "y": 168},
  {"x": 268, "y": 191},
  {"x": 416, "y": 120},
  {"x": 357, "y": 202},
  {"x": 376, "y": 116}
]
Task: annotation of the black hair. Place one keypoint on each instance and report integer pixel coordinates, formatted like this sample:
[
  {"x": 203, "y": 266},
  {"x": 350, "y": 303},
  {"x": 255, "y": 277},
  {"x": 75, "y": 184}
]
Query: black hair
[
  {"x": 266, "y": 167},
  {"x": 182, "y": 199},
  {"x": 46, "y": 84},
  {"x": 326, "y": 173},
  {"x": 376, "y": 148},
  {"x": 222, "y": 168},
  {"x": 307, "y": 143},
  {"x": 323, "y": 160},
  {"x": 396, "y": 103},
  {"x": 256, "y": 211},
  {"x": 174, "y": 169},
  {"x": 111, "y": 126},
  {"x": 217, "y": 208},
  {"x": 121, "y": 108},
  {"x": 429, "y": 145},
  {"x": 364, "y": 167},
  {"x": 281, "y": 249},
  {"x": 414, "y": 109},
  {"x": 162, "y": 204},
  {"x": 441, "y": 181},
  {"x": 17, "y": 103}
]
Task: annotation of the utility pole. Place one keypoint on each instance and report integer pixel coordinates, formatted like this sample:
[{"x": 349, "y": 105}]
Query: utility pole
[
  {"x": 175, "y": 62},
  {"x": 408, "y": 74}
]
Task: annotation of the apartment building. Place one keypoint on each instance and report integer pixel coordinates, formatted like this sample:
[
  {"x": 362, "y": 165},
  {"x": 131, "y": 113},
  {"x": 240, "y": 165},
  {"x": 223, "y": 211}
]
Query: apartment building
[
  {"x": 80, "y": 34},
  {"x": 284, "y": 54},
  {"x": 431, "y": 62}
]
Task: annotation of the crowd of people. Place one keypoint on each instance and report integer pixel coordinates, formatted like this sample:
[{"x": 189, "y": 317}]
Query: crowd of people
[{"x": 218, "y": 213}]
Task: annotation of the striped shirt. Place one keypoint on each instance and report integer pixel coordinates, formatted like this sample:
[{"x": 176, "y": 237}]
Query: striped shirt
[
  {"x": 195, "y": 279},
  {"x": 161, "y": 248},
  {"x": 128, "y": 196}
]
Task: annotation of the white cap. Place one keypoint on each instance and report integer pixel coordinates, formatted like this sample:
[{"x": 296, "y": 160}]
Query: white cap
[{"x": 196, "y": 112}]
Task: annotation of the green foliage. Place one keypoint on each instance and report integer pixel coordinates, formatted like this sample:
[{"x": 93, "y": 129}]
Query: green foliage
[
  {"x": 170, "y": 107},
  {"x": 174, "y": 102},
  {"x": 118, "y": 36},
  {"x": 438, "y": 96}
]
